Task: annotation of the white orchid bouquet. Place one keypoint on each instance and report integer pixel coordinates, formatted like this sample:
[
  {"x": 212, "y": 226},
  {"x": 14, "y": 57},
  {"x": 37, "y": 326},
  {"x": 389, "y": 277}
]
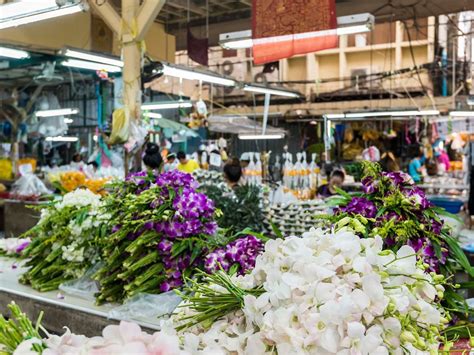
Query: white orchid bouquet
[
  {"x": 320, "y": 294},
  {"x": 63, "y": 243}
]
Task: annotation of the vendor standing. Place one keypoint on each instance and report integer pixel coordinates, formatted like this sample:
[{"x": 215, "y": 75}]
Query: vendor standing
[
  {"x": 186, "y": 165},
  {"x": 415, "y": 168},
  {"x": 336, "y": 180}
]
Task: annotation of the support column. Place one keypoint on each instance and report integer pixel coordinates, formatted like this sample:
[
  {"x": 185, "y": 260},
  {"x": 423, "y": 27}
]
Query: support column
[
  {"x": 131, "y": 58},
  {"x": 342, "y": 59},
  {"x": 312, "y": 72}
]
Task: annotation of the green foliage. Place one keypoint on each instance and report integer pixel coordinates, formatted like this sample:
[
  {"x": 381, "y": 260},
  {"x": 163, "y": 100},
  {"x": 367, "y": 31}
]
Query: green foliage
[{"x": 241, "y": 208}]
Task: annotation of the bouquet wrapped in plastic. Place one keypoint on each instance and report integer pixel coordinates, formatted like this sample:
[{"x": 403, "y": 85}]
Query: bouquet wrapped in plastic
[
  {"x": 160, "y": 229},
  {"x": 63, "y": 242}
]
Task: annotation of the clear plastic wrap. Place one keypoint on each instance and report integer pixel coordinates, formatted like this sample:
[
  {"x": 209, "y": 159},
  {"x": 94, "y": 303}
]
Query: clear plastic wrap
[
  {"x": 146, "y": 307},
  {"x": 29, "y": 185},
  {"x": 84, "y": 287}
]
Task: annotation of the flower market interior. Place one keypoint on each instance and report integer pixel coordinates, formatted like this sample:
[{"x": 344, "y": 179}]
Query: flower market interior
[{"x": 242, "y": 177}]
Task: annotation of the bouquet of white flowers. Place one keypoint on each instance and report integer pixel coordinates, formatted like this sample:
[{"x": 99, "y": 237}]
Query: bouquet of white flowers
[
  {"x": 63, "y": 243},
  {"x": 320, "y": 294}
]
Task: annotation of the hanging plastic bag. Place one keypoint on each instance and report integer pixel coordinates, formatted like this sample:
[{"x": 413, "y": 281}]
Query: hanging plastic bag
[
  {"x": 120, "y": 126},
  {"x": 137, "y": 136},
  {"x": 29, "y": 185}
]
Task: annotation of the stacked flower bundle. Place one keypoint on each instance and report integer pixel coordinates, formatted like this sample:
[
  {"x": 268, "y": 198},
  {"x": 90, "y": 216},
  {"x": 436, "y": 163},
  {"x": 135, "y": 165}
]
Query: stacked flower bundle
[
  {"x": 63, "y": 242},
  {"x": 161, "y": 228},
  {"x": 321, "y": 294},
  {"x": 392, "y": 207}
]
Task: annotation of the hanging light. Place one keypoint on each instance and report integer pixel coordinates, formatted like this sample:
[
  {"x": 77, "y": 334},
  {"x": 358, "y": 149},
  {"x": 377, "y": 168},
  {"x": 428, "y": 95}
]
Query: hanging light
[
  {"x": 179, "y": 71},
  {"x": 166, "y": 105},
  {"x": 82, "y": 64},
  {"x": 352, "y": 24},
  {"x": 91, "y": 57},
  {"x": 62, "y": 139},
  {"x": 369, "y": 114},
  {"x": 271, "y": 90},
  {"x": 461, "y": 113},
  {"x": 23, "y": 12},
  {"x": 261, "y": 136},
  {"x": 58, "y": 112},
  {"x": 13, "y": 53},
  {"x": 68, "y": 120}
]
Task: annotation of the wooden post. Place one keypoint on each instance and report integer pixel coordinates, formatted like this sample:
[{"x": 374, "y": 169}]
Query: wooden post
[{"x": 131, "y": 27}]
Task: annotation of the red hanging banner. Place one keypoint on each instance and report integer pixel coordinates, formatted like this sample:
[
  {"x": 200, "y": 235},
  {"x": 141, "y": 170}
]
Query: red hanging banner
[{"x": 284, "y": 28}]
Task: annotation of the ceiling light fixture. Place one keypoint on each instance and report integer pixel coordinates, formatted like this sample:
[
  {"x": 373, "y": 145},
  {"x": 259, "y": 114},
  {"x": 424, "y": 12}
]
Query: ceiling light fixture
[
  {"x": 62, "y": 139},
  {"x": 193, "y": 74},
  {"x": 271, "y": 90},
  {"x": 154, "y": 115},
  {"x": 57, "y": 112},
  {"x": 368, "y": 114},
  {"x": 352, "y": 24},
  {"x": 68, "y": 120},
  {"x": 461, "y": 113},
  {"x": 166, "y": 105},
  {"x": 82, "y": 64},
  {"x": 13, "y": 53},
  {"x": 261, "y": 136},
  {"x": 13, "y": 14},
  {"x": 92, "y": 57}
]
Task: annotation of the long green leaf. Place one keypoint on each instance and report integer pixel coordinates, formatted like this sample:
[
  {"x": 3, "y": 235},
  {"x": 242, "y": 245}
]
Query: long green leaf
[{"x": 459, "y": 255}]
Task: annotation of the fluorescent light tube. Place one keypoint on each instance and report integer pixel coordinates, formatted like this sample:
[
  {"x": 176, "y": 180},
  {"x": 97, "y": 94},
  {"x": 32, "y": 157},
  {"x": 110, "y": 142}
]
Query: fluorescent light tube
[
  {"x": 384, "y": 114},
  {"x": 74, "y": 53},
  {"x": 191, "y": 74},
  {"x": 415, "y": 113},
  {"x": 62, "y": 139},
  {"x": 260, "y": 136},
  {"x": 58, "y": 112},
  {"x": 461, "y": 113},
  {"x": 358, "y": 23},
  {"x": 68, "y": 120},
  {"x": 238, "y": 44},
  {"x": 25, "y": 7},
  {"x": 13, "y": 53},
  {"x": 82, "y": 64},
  {"x": 40, "y": 16},
  {"x": 353, "y": 29},
  {"x": 333, "y": 116},
  {"x": 272, "y": 91},
  {"x": 154, "y": 115},
  {"x": 166, "y": 105}
]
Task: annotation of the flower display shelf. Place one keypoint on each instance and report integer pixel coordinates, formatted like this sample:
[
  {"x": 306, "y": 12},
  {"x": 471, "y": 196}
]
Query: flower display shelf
[{"x": 80, "y": 315}]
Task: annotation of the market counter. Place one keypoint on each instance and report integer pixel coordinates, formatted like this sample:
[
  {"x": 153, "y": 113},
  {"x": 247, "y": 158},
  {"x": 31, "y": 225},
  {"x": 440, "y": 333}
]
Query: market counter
[{"x": 80, "y": 315}]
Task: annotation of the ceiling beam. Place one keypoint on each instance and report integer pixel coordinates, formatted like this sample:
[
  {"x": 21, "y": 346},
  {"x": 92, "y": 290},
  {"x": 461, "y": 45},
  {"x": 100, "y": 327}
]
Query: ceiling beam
[
  {"x": 183, "y": 5},
  {"x": 146, "y": 15},
  {"x": 108, "y": 14}
]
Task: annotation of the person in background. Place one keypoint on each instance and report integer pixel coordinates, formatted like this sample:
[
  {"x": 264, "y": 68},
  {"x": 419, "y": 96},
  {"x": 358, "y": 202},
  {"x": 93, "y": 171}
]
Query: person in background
[
  {"x": 186, "y": 165},
  {"x": 336, "y": 180},
  {"x": 171, "y": 162},
  {"x": 94, "y": 165},
  {"x": 443, "y": 159},
  {"x": 415, "y": 168},
  {"x": 232, "y": 173},
  {"x": 389, "y": 162},
  {"x": 152, "y": 158}
]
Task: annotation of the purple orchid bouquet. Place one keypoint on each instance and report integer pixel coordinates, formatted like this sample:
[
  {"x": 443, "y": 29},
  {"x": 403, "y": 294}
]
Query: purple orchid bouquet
[
  {"x": 161, "y": 231},
  {"x": 393, "y": 207}
]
